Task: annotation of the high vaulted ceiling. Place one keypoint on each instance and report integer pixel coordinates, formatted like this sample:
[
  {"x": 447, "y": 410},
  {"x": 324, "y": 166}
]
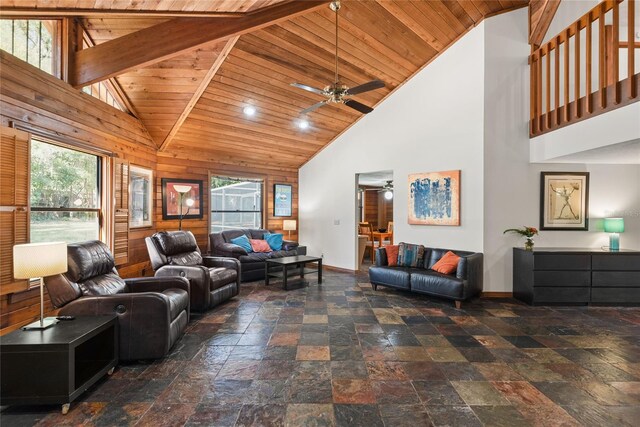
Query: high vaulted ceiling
[{"x": 192, "y": 104}]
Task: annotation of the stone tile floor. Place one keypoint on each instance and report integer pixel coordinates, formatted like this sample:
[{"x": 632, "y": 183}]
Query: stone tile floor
[{"x": 342, "y": 354}]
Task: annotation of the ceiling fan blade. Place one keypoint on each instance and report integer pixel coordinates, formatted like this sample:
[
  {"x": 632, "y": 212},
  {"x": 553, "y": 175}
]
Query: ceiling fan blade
[
  {"x": 313, "y": 107},
  {"x": 308, "y": 88},
  {"x": 357, "y": 106},
  {"x": 366, "y": 87}
]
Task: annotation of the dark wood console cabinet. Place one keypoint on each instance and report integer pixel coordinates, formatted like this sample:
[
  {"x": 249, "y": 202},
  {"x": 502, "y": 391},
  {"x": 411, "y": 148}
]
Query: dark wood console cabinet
[
  {"x": 576, "y": 276},
  {"x": 57, "y": 364}
]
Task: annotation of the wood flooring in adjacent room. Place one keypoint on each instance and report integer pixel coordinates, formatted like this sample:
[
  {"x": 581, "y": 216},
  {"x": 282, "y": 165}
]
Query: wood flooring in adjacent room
[{"x": 342, "y": 354}]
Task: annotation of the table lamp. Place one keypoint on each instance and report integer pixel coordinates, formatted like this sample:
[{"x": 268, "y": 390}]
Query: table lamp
[
  {"x": 38, "y": 260},
  {"x": 615, "y": 226},
  {"x": 289, "y": 225}
]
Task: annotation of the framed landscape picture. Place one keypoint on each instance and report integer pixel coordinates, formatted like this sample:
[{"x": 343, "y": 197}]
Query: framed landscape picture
[
  {"x": 564, "y": 203},
  {"x": 140, "y": 197},
  {"x": 171, "y": 206},
  {"x": 434, "y": 198},
  {"x": 282, "y": 198}
]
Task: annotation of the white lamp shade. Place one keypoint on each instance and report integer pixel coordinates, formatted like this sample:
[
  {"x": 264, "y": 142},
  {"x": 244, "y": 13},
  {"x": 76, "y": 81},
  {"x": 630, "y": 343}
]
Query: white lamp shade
[
  {"x": 182, "y": 188},
  {"x": 289, "y": 224},
  {"x": 39, "y": 259}
]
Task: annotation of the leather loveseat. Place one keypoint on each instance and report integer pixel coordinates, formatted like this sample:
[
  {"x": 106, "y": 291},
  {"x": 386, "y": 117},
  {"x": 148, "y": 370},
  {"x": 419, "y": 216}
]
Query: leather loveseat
[
  {"x": 152, "y": 312},
  {"x": 252, "y": 263},
  {"x": 460, "y": 286},
  {"x": 213, "y": 279}
]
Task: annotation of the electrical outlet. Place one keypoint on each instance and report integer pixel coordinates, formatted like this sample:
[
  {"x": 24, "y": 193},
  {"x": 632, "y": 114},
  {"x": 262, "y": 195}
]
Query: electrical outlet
[
  {"x": 336, "y": 222},
  {"x": 322, "y": 255}
]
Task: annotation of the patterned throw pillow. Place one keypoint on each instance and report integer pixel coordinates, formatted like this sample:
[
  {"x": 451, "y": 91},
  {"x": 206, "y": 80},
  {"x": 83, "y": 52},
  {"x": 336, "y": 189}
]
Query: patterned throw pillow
[
  {"x": 447, "y": 264},
  {"x": 259, "y": 245},
  {"x": 392, "y": 255},
  {"x": 410, "y": 255}
]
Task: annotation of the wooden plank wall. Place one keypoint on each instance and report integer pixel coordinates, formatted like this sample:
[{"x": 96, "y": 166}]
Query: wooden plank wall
[
  {"x": 175, "y": 165},
  {"x": 34, "y": 99}
]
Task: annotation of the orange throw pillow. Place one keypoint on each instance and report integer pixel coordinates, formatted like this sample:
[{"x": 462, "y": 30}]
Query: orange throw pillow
[
  {"x": 392, "y": 255},
  {"x": 260, "y": 245},
  {"x": 447, "y": 264}
]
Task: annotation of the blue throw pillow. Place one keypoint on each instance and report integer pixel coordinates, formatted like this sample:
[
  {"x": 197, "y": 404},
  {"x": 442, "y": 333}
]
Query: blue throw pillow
[
  {"x": 274, "y": 241},
  {"x": 243, "y": 242}
]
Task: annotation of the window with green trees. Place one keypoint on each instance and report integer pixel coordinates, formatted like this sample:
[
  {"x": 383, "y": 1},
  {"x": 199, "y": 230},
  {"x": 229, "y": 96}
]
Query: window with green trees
[
  {"x": 33, "y": 41},
  {"x": 65, "y": 194}
]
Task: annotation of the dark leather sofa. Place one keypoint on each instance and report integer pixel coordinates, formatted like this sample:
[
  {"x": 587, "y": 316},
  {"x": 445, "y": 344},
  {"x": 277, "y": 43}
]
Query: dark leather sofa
[
  {"x": 152, "y": 312},
  {"x": 460, "y": 286},
  {"x": 213, "y": 279},
  {"x": 252, "y": 263}
]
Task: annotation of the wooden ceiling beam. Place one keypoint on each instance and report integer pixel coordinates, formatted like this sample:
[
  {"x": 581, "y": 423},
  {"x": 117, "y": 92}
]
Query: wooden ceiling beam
[
  {"x": 68, "y": 12},
  {"x": 541, "y": 13},
  {"x": 171, "y": 38},
  {"x": 198, "y": 93}
]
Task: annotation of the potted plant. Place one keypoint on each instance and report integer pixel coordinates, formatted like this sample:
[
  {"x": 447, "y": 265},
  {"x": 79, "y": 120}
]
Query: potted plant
[{"x": 527, "y": 232}]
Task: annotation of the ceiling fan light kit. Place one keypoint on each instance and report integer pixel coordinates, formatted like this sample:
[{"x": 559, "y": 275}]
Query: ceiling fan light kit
[{"x": 338, "y": 93}]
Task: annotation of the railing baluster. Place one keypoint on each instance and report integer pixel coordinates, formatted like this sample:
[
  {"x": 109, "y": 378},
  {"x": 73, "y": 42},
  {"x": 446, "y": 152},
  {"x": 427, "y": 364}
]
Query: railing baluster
[
  {"x": 576, "y": 77},
  {"x": 548, "y": 89},
  {"x": 601, "y": 57},
  {"x": 532, "y": 99},
  {"x": 539, "y": 92},
  {"x": 588, "y": 76},
  {"x": 556, "y": 79},
  {"x": 566, "y": 74},
  {"x": 614, "y": 56},
  {"x": 631, "y": 49}
]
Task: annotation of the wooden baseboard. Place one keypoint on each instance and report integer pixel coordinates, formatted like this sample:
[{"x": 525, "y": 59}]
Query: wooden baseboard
[
  {"x": 338, "y": 269},
  {"x": 497, "y": 295}
]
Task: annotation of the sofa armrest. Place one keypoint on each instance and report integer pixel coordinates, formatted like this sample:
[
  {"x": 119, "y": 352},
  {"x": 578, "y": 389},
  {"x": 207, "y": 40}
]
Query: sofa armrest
[
  {"x": 381, "y": 257},
  {"x": 288, "y": 245},
  {"x": 199, "y": 282},
  {"x": 157, "y": 284},
  {"x": 224, "y": 262},
  {"x": 228, "y": 250},
  {"x": 471, "y": 270},
  {"x": 140, "y": 316}
]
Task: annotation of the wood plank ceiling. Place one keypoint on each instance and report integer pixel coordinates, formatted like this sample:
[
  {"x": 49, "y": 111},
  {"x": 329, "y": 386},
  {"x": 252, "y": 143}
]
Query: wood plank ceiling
[{"x": 386, "y": 40}]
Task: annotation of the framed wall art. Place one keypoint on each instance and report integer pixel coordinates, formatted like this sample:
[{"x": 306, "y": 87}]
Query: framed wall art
[
  {"x": 434, "y": 198},
  {"x": 176, "y": 196},
  {"x": 140, "y": 197},
  {"x": 282, "y": 198},
  {"x": 564, "y": 201}
]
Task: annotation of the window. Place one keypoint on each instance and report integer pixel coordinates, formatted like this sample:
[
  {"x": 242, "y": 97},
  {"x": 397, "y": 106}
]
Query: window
[
  {"x": 105, "y": 90},
  {"x": 140, "y": 192},
  {"x": 65, "y": 194},
  {"x": 33, "y": 41},
  {"x": 235, "y": 203}
]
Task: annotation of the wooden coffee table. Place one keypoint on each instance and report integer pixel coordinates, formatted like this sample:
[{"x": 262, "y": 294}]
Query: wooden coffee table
[{"x": 290, "y": 264}]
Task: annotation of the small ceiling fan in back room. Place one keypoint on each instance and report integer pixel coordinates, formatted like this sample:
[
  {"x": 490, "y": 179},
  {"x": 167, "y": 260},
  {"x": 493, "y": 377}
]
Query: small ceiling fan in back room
[
  {"x": 387, "y": 189},
  {"x": 337, "y": 92}
]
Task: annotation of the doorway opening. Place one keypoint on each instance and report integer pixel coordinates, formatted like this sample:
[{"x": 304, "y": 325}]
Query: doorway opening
[{"x": 374, "y": 215}]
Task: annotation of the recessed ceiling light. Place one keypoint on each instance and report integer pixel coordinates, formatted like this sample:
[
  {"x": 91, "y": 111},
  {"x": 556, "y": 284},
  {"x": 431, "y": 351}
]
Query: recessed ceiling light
[
  {"x": 249, "y": 110},
  {"x": 303, "y": 124}
]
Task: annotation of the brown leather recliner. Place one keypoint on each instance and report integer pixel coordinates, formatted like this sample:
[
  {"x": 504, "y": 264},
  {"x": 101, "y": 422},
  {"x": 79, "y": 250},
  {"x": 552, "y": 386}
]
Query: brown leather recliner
[
  {"x": 152, "y": 312},
  {"x": 213, "y": 279}
]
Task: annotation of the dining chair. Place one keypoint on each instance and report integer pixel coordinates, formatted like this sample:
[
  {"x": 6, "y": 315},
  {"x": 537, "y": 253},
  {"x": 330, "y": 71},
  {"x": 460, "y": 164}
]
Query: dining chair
[
  {"x": 389, "y": 239},
  {"x": 366, "y": 229}
]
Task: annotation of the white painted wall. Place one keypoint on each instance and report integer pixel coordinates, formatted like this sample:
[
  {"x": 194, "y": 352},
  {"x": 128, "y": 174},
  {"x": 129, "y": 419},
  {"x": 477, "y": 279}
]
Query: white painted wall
[
  {"x": 512, "y": 184},
  {"x": 614, "y": 127},
  {"x": 467, "y": 110},
  {"x": 433, "y": 123}
]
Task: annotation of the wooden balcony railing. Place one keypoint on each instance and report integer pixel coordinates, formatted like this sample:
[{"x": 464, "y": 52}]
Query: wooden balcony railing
[{"x": 581, "y": 73}]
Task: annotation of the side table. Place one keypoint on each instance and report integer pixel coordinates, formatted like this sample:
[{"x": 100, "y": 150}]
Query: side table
[{"x": 56, "y": 365}]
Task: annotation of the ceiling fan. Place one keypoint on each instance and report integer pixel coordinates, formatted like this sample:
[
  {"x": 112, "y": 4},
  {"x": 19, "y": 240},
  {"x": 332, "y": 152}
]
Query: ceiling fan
[
  {"x": 387, "y": 189},
  {"x": 337, "y": 92}
]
